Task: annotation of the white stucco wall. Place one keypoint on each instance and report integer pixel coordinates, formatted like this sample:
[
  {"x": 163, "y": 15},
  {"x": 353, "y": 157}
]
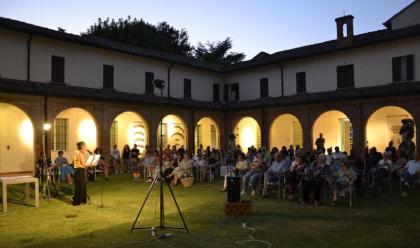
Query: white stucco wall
[
  {"x": 84, "y": 66},
  {"x": 249, "y": 81},
  {"x": 372, "y": 66},
  {"x": 201, "y": 82},
  {"x": 13, "y": 55},
  {"x": 409, "y": 17}
]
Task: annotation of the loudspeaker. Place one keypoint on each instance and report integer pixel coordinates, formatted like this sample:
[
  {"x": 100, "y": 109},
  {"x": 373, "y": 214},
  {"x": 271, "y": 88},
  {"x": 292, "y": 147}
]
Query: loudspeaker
[{"x": 234, "y": 189}]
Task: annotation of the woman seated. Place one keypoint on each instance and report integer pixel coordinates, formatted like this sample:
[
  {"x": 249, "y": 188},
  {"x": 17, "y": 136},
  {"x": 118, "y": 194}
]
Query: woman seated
[
  {"x": 257, "y": 168},
  {"x": 276, "y": 172},
  {"x": 102, "y": 164},
  {"x": 201, "y": 166},
  {"x": 183, "y": 169},
  {"x": 315, "y": 177},
  {"x": 342, "y": 181},
  {"x": 240, "y": 169},
  {"x": 381, "y": 171},
  {"x": 410, "y": 173},
  {"x": 294, "y": 176},
  {"x": 149, "y": 163}
]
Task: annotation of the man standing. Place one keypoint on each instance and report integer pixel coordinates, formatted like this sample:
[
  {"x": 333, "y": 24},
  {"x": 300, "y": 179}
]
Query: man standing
[{"x": 320, "y": 143}]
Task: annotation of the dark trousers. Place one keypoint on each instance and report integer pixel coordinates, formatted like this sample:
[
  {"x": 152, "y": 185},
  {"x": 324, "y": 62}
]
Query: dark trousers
[
  {"x": 311, "y": 185},
  {"x": 80, "y": 190}
]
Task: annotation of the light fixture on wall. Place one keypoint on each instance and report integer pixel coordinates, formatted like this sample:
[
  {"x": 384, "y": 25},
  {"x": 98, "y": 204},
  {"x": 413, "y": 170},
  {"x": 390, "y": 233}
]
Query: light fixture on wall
[
  {"x": 44, "y": 175},
  {"x": 46, "y": 127}
]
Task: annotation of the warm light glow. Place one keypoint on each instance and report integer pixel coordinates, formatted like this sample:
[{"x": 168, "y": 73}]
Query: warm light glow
[
  {"x": 247, "y": 132},
  {"x": 26, "y": 133},
  {"x": 176, "y": 132},
  {"x": 383, "y": 126},
  {"x": 87, "y": 131},
  {"x": 47, "y": 126},
  {"x": 336, "y": 129},
  {"x": 248, "y": 137}
]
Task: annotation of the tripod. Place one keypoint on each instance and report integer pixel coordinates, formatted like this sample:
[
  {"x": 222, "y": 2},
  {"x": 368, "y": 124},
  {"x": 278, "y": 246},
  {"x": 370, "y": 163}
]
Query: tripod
[
  {"x": 161, "y": 179},
  {"x": 45, "y": 176}
]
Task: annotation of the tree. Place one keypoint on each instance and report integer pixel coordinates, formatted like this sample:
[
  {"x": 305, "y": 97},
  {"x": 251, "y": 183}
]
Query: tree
[
  {"x": 162, "y": 37},
  {"x": 218, "y": 52}
]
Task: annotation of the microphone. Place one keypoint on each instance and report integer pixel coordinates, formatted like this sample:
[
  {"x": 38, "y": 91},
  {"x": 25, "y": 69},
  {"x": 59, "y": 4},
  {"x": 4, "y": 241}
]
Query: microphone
[{"x": 89, "y": 152}]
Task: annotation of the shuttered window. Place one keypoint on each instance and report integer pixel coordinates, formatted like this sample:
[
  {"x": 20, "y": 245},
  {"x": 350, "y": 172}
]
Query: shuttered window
[
  {"x": 187, "y": 88},
  {"x": 108, "y": 77},
  {"x": 57, "y": 69},
  {"x": 264, "y": 87},
  {"x": 403, "y": 68},
  {"x": 235, "y": 92},
  {"x": 345, "y": 76},
  {"x": 216, "y": 93},
  {"x": 149, "y": 77},
  {"x": 301, "y": 82}
]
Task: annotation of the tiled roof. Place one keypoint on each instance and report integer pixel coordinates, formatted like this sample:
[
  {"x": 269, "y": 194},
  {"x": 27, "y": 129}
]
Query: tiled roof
[
  {"x": 388, "y": 23},
  {"x": 389, "y": 90},
  {"x": 331, "y": 46},
  {"x": 107, "y": 44},
  {"x": 59, "y": 90}
]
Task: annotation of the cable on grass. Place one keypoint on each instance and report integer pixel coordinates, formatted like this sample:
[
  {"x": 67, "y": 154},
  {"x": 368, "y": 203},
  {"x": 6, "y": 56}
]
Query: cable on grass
[{"x": 251, "y": 237}]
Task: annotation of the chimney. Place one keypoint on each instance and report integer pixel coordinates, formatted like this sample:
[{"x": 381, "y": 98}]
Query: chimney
[{"x": 344, "y": 30}]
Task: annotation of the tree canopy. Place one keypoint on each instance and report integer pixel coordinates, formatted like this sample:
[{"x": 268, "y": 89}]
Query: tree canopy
[
  {"x": 163, "y": 37},
  {"x": 218, "y": 52}
]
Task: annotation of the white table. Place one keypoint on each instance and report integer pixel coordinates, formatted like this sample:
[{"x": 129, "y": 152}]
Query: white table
[{"x": 9, "y": 180}]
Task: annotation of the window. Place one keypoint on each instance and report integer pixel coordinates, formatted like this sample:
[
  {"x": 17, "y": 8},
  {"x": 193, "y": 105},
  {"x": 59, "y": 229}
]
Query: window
[
  {"x": 216, "y": 93},
  {"x": 60, "y": 134},
  {"x": 301, "y": 82},
  {"x": 345, "y": 76},
  {"x": 403, "y": 68},
  {"x": 114, "y": 134},
  {"x": 231, "y": 92},
  {"x": 226, "y": 92},
  {"x": 264, "y": 87},
  {"x": 57, "y": 69},
  {"x": 234, "y": 92},
  {"x": 150, "y": 88},
  {"x": 108, "y": 77},
  {"x": 187, "y": 88}
]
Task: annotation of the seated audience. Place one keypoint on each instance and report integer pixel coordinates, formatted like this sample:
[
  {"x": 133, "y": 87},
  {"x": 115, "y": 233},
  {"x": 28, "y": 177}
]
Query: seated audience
[
  {"x": 102, "y": 163},
  {"x": 381, "y": 171},
  {"x": 315, "y": 176},
  {"x": 342, "y": 180},
  {"x": 115, "y": 160},
  {"x": 126, "y": 158},
  {"x": 240, "y": 169},
  {"x": 257, "y": 168},
  {"x": 150, "y": 164},
  {"x": 294, "y": 175},
  {"x": 276, "y": 172},
  {"x": 410, "y": 173},
  {"x": 66, "y": 170},
  {"x": 184, "y": 169}
]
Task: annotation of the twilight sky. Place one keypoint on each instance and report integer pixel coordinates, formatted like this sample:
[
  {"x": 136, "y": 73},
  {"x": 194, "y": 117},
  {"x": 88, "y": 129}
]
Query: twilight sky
[{"x": 254, "y": 26}]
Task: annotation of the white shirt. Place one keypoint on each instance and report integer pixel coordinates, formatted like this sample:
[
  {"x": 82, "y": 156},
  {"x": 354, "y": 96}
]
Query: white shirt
[
  {"x": 115, "y": 153},
  {"x": 413, "y": 167},
  {"x": 385, "y": 164}
]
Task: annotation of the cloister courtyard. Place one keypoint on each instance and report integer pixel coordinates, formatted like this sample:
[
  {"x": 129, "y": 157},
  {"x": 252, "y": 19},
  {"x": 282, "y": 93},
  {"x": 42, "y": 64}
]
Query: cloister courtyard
[{"x": 384, "y": 221}]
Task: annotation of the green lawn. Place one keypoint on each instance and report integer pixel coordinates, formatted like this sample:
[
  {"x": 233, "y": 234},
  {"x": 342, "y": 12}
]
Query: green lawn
[{"x": 387, "y": 221}]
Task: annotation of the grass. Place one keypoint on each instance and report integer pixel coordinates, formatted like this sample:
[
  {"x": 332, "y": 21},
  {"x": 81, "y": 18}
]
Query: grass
[{"x": 387, "y": 221}]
